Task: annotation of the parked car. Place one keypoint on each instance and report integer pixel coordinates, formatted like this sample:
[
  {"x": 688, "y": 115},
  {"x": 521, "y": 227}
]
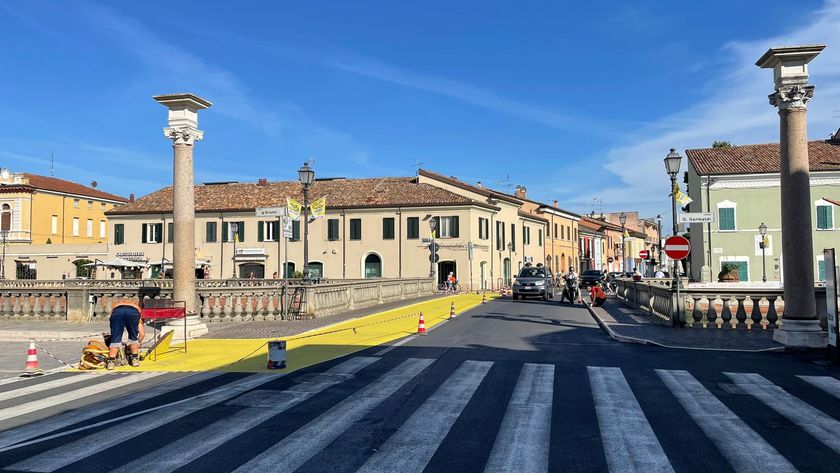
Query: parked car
[
  {"x": 534, "y": 281},
  {"x": 590, "y": 277}
]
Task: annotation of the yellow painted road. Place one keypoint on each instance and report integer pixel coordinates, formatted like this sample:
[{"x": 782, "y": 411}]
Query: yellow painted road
[{"x": 309, "y": 348}]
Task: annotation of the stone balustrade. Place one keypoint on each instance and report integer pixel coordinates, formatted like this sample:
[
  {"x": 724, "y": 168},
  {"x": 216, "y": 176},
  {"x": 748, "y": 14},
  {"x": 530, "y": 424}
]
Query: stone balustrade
[
  {"x": 218, "y": 300},
  {"x": 735, "y": 307}
]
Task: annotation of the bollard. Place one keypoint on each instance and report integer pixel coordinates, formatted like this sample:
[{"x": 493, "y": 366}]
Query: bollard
[{"x": 452, "y": 311}]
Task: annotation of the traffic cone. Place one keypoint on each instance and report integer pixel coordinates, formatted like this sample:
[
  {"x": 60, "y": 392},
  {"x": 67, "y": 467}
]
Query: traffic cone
[
  {"x": 32, "y": 368},
  {"x": 421, "y": 325},
  {"x": 452, "y": 311},
  {"x": 484, "y": 298}
]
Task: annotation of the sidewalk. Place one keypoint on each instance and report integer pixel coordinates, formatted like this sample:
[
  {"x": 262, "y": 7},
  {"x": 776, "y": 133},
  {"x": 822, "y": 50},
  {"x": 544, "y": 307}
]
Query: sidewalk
[{"x": 625, "y": 325}]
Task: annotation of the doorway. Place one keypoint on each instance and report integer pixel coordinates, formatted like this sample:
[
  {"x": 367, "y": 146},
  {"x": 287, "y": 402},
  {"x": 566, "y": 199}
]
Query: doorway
[
  {"x": 251, "y": 271},
  {"x": 444, "y": 268},
  {"x": 373, "y": 266}
]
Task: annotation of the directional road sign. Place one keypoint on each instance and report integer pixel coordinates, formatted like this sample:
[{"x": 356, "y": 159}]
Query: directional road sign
[
  {"x": 677, "y": 247},
  {"x": 643, "y": 254}
]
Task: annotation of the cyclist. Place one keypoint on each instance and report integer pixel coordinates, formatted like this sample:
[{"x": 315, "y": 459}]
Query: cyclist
[{"x": 450, "y": 282}]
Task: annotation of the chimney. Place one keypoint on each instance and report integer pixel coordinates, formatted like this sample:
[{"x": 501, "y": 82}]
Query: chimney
[
  {"x": 556, "y": 206},
  {"x": 262, "y": 182},
  {"x": 835, "y": 137},
  {"x": 479, "y": 185},
  {"x": 521, "y": 192},
  {"x": 131, "y": 197}
]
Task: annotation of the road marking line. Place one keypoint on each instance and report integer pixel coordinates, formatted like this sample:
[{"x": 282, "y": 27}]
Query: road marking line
[
  {"x": 413, "y": 445},
  {"x": 202, "y": 441},
  {"x": 812, "y": 420},
  {"x": 26, "y": 432},
  {"x": 397, "y": 344},
  {"x": 721, "y": 425},
  {"x": 296, "y": 449},
  {"x": 826, "y": 383},
  {"x": 51, "y": 401},
  {"x": 522, "y": 444},
  {"x": 34, "y": 388},
  {"x": 629, "y": 442},
  {"x": 84, "y": 447}
]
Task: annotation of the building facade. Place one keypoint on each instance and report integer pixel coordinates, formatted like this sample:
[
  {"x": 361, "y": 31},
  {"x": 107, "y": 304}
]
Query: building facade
[
  {"x": 561, "y": 245},
  {"x": 740, "y": 187}
]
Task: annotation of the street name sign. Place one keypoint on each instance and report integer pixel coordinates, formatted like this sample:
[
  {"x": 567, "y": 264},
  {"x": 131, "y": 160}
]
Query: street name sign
[
  {"x": 271, "y": 211},
  {"x": 697, "y": 217},
  {"x": 677, "y": 247},
  {"x": 643, "y": 254},
  {"x": 287, "y": 227}
]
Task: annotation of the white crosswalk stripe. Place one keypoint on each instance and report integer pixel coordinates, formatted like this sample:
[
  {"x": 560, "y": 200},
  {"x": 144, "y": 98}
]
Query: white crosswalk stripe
[
  {"x": 202, "y": 441},
  {"x": 523, "y": 441},
  {"x": 414, "y": 444},
  {"x": 820, "y": 425},
  {"x": 33, "y": 406},
  {"x": 54, "y": 423},
  {"x": 826, "y": 383},
  {"x": 721, "y": 425},
  {"x": 629, "y": 442},
  {"x": 296, "y": 449},
  {"x": 27, "y": 389}
]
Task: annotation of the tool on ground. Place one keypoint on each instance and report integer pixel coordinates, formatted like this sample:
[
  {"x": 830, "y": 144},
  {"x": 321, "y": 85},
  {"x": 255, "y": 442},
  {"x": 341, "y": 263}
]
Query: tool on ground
[
  {"x": 32, "y": 368},
  {"x": 452, "y": 311},
  {"x": 276, "y": 354},
  {"x": 421, "y": 325}
]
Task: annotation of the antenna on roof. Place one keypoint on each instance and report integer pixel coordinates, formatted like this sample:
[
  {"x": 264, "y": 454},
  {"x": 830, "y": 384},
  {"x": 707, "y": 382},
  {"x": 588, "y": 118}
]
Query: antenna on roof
[
  {"x": 417, "y": 163},
  {"x": 505, "y": 182},
  {"x": 52, "y": 164},
  {"x": 597, "y": 205}
]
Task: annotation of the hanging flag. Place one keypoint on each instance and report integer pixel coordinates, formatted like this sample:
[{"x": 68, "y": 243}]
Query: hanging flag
[
  {"x": 294, "y": 208},
  {"x": 680, "y": 197},
  {"x": 626, "y": 234},
  {"x": 318, "y": 208}
]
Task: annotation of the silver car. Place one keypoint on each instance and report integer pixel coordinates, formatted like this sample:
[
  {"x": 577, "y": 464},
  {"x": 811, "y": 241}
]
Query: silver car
[{"x": 534, "y": 281}]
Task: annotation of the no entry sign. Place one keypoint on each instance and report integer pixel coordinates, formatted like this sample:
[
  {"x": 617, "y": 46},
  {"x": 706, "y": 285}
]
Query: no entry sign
[
  {"x": 677, "y": 247},
  {"x": 643, "y": 254}
]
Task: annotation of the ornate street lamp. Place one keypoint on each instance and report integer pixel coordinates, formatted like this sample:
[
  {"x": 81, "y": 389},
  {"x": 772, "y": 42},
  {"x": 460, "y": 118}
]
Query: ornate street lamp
[
  {"x": 762, "y": 230},
  {"x": 659, "y": 238},
  {"x": 622, "y": 218},
  {"x": 306, "y": 176},
  {"x": 672, "y": 167},
  {"x": 433, "y": 264},
  {"x": 234, "y": 230},
  {"x": 510, "y": 263}
]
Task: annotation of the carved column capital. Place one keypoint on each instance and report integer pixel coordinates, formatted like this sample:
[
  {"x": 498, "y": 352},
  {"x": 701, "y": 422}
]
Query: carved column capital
[
  {"x": 183, "y": 135},
  {"x": 792, "y": 97}
]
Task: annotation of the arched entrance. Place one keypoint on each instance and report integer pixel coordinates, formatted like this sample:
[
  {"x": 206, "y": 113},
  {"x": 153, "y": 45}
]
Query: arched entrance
[
  {"x": 289, "y": 269},
  {"x": 316, "y": 269},
  {"x": 373, "y": 266}
]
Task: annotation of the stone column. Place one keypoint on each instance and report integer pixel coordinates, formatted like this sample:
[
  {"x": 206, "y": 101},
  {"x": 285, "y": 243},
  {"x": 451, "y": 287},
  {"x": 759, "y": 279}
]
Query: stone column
[
  {"x": 800, "y": 326},
  {"x": 183, "y": 131}
]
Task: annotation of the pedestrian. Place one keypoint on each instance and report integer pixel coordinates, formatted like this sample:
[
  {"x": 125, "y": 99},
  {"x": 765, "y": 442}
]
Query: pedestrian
[
  {"x": 637, "y": 276},
  {"x": 125, "y": 317},
  {"x": 450, "y": 282},
  {"x": 274, "y": 275},
  {"x": 659, "y": 273},
  {"x": 597, "y": 295}
]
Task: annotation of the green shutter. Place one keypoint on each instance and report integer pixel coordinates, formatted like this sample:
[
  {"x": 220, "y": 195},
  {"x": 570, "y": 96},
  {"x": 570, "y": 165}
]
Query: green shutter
[
  {"x": 170, "y": 230},
  {"x": 241, "y": 231},
  {"x": 455, "y": 230},
  {"x": 821, "y": 270},
  {"x": 224, "y": 231},
  {"x": 824, "y": 220},
  {"x": 260, "y": 231},
  {"x": 513, "y": 235},
  {"x": 726, "y": 218},
  {"x": 143, "y": 231},
  {"x": 539, "y": 237},
  {"x": 295, "y": 230}
]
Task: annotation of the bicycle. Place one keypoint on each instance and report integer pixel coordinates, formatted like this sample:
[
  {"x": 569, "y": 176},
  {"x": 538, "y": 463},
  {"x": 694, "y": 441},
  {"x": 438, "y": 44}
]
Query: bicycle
[{"x": 450, "y": 288}]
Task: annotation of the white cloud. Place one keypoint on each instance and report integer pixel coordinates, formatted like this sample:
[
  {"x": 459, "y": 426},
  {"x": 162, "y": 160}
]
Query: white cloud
[{"x": 736, "y": 109}]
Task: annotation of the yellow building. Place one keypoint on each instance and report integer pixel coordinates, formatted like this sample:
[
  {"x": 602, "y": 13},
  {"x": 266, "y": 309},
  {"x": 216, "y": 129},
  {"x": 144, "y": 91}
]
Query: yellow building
[{"x": 46, "y": 210}]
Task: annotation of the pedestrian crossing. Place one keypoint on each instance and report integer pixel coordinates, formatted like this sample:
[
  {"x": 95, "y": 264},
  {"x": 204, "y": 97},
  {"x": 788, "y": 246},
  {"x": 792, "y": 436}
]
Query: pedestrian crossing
[{"x": 383, "y": 414}]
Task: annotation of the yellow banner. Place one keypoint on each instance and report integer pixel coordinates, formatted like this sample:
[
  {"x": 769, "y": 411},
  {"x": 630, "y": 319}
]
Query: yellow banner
[
  {"x": 681, "y": 198},
  {"x": 318, "y": 208},
  {"x": 294, "y": 208}
]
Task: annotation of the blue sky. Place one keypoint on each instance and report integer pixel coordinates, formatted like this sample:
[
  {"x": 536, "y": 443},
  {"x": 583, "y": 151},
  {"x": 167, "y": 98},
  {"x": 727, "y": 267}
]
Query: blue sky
[{"x": 575, "y": 100}]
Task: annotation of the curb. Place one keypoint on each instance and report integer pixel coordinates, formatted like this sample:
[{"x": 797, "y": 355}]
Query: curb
[{"x": 644, "y": 341}]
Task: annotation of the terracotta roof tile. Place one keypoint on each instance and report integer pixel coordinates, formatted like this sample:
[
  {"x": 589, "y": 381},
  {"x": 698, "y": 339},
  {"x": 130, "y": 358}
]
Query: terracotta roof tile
[
  {"x": 60, "y": 185},
  {"x": 340, "y": 193},
  {"x": 760, "y": 159},
  {"x": 454, "y": 181}
]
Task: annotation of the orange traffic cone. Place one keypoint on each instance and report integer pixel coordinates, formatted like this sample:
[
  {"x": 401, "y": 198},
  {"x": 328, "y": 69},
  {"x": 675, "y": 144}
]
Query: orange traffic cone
[
  {"x": 421, "y": 325},
  {"x": 484, "y": 298},
  {"x": 32, "y": 368},
  {"x": 452, "y": 311}
]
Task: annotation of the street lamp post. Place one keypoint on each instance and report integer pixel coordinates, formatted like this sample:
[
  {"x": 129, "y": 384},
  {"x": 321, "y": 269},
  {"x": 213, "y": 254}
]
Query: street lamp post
[
  {"x": 622, "y": 218},
  {"x": 659, "y": 238},
  {"x": 762, "y": 230},
  {"x": 510, "y": 263},
  {"x": 234, "y": 230},
  {"x": 433, "y": 252},
  {"x": 672, "y": 167},
  {"x": 306, "y": 176}
]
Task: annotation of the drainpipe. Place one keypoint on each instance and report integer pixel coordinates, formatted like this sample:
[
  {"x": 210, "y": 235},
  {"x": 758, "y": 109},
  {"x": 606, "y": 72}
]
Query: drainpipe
[
  {"x": 399, "y": 239},
  {"x": 343, "y": 244}
]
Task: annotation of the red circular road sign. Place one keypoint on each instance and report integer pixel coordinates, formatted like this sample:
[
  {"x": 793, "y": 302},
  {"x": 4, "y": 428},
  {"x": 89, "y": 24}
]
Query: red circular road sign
[
  {"x": 677, "y": 247},
  {"x": 643, "y": 254}
]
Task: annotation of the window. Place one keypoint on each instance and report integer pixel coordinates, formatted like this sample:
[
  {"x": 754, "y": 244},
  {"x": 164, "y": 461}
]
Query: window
[
  {"x": 268, "y": 230},
  {"x": 75, "y": 226},
  {"x": 332, "y": 229},
  {"x": 152, "y": 233},
  {"x": 75, "y": 203},
  {"x": 568, "y": 233},
  {"x": 102, "y": 206},
  {"x": 102, "y": 229},
  {"x": 821, "y": 270},
  {"x": 170, "y": 232},
  {"x": 500, "y": 236},
  {"x": 119, "y": 234},
  {"x": 228, "y": 233},
  {"x": 447, "y": 227},
  {"x": 412, "y": 228},
  {"x": 210, "y": 235},
  {"x": 388, "y": 228},
  {"x": 825, "y": 217},
  {"x": 89, "y": 228},
  {"x": 483, "y": 228},
  {"x": 555, "y": 230},
  {"x": 355, "y": 229},
  {"x": 54, "y": 225},
  {"x": 526, "y": 235},
  {"x": 90, "y": 205},
  {"x": 513, "y": 235},
  {"x": 726, "y": 219},
  {"x": 539, "y": 237},
  {"x": 295, "y": 230}
]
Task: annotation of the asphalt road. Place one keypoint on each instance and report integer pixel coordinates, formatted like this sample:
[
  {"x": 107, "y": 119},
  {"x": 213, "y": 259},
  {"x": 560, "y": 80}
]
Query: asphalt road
[{"x": 509, "y": 386}]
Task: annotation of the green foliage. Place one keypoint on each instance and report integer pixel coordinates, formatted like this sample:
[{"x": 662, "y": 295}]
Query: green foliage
[
  {"x": 721, "y": 144},
  {"x": 297, "y": 275},
  {"x": 729, "y": 271},
  {"x": 49, "y": 241}
]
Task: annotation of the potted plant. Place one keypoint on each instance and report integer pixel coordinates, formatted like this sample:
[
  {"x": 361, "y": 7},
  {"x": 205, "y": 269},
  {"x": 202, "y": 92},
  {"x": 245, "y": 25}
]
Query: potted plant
[{"x": 729, "y": 273}]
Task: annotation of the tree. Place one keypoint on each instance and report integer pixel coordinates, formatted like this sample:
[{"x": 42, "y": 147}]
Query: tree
[{"x": 721, "y": 144}]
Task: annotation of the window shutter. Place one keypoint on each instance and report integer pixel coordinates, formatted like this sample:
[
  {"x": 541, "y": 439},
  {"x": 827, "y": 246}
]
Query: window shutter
[
  {"x": 144, "y": 233},
  {"x": 454, "y": 231},
  {"x": 295, "y": 230},
  {"x": 170, "y": 231},
  {"x": 241, "y": 231},
  {"x": 275, "y": 230},
  {"x": 224, "y": 231},
  {"x": 260, "y": 231},
  {"x": 513, "y": 235},
  {"x": 159, "y": 235}
]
